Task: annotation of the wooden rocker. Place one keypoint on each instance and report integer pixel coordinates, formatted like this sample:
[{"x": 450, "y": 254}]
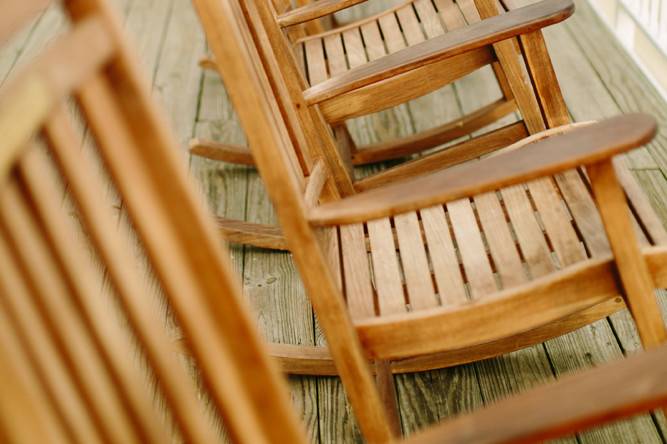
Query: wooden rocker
[
  {"x": 366, "y": 67},
  {"x": 460, "y": 264},
  {"x": 405, "y": 52},
  {"x": 67, "y": 348}
]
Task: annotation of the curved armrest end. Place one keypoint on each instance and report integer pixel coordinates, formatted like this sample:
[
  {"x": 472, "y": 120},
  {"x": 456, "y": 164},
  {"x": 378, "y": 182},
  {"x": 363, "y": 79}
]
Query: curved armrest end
[
  {"x": 486, "y": 32},
  {"x": 581, "y": 146}
]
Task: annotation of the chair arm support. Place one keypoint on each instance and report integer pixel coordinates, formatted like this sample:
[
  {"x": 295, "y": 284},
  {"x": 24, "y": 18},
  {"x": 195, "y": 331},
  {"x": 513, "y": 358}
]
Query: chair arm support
[
  {"x": 581, "y": 146},
  {"x": 314, "y": 11},
  {"x": 576, "y": 402},
  {"x": 519, "y": 21}
]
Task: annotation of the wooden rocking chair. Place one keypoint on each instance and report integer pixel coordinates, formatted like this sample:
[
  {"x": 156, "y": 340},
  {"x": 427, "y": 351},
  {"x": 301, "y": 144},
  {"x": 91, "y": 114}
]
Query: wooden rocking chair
[
  {"x": 460, "y": 264},
  {"x": 67, "y": 348},
  {"x": 406, "y": 52},
  {"x": 348, "y": 79}
]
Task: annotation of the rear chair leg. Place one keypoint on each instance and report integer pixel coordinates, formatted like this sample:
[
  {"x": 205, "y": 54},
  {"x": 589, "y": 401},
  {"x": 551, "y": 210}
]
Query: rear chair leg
[{"x": 384, "y": 379}]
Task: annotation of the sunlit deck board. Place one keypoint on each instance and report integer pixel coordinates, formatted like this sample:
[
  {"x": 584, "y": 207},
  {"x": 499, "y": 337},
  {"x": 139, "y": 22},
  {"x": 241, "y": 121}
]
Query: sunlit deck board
[{"x": 598, "y": 80}]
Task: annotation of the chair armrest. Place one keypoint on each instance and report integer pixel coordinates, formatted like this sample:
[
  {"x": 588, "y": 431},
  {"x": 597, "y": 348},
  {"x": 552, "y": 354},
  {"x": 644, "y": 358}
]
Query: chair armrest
[
  {"x": 581, "y": 146},
  {"x": 574, "y": 403},
  {"x": 488, "y": 31},
  {"x": 314, "y": 11}
]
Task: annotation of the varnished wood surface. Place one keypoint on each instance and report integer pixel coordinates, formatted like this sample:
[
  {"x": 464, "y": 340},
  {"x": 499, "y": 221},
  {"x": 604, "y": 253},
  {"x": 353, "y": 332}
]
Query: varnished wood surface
[
  {"x": 547, "y": 157},
  {"x": 597, "y": 81}
]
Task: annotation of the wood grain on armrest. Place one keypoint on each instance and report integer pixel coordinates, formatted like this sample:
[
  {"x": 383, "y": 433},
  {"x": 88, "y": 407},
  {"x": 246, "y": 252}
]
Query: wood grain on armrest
[
  {"x": 485, "y": 32},
  {"x": 581, "y": 146},
  {"x": 314, "y": 11},
  {"x": 613, "y": 391}
]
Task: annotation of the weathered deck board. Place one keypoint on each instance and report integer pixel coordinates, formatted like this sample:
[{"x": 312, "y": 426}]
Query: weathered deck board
[{"x": 598, "y": 80}]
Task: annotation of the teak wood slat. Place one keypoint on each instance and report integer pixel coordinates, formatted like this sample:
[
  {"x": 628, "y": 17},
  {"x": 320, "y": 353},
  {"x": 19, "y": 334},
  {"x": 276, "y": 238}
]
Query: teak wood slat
[{"x": 78, "y": 364}]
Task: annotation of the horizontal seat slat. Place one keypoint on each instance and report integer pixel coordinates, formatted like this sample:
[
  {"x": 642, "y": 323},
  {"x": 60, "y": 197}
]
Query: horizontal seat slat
[
  {"x": 502, "y": 247},
  {"x": 451, "y": 287},
  {"x": 386, "y": 270},
  {"x": 421, "y": 293}
]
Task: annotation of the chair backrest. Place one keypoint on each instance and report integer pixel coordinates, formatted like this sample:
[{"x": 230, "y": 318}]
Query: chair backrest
[
  {"x": 79, "y": 319},
  {"x": 312, "y": 136}
]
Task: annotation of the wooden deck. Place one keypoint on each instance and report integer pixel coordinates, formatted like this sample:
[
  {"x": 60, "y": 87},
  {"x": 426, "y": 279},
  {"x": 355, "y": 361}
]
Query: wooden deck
[{"x": 598, "y": 80}]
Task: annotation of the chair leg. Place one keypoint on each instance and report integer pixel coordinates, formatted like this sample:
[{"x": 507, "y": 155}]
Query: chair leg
[
  {"x": 637, "y": 283},
  {"x": 384, "y": 378},
  {"x": 633, "y": 271}
]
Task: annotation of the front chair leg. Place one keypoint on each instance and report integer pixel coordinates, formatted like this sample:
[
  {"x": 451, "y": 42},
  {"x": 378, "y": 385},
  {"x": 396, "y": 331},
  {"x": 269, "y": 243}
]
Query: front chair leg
[
  {"x": 636, "y": 280},
  {"x": 638, "y": 285}
]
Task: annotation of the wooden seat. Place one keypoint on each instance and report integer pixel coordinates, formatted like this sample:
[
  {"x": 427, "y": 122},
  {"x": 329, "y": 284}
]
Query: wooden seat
[
  {"x": 85, "y": 353},
  {"x": 452, "y": 265}
]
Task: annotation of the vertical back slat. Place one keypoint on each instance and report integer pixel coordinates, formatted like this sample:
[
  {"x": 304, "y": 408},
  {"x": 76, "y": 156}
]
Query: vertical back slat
[
  {"x": 23, "y": 419},
  {"x": 50, "y": 294},
  {"x": 42, "y": 410},
  {"x": 451, "y": 287},
  {"x": 85, "y": 187},
  {"x": 531, "y": 240},
  {"x": 62, "y": 391},
  {"x": 78, "y": 271},
  {"x": 418, "y": 280}
]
